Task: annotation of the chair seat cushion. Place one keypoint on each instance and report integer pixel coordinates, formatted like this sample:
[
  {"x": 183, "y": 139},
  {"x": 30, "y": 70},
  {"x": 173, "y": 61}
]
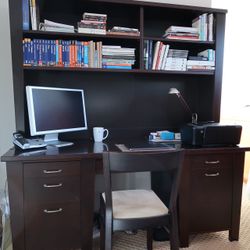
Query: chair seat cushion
[{"x": 137, "y": 204}]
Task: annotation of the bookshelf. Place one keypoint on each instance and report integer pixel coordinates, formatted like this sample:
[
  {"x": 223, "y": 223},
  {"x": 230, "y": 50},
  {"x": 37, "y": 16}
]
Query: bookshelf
[{"x": 130, "y": 94}]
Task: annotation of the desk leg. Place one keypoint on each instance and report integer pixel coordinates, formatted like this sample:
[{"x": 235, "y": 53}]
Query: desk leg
[
  {"x": 15, "y": 188},
  {"x": 184, "y": 204},
  {"x": 238, "y": 169},
  {"x": 87, "y": 201}
]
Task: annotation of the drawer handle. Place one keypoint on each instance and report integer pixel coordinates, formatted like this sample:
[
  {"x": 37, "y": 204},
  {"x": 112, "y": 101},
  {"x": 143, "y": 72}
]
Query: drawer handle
[
  {"x": 52, "y": 185},
  {"x": 52, "y": 171},
  {"x": 212, "y": 162},
  {"x": 47, "y": 211},
  {"x": 212, "y": 175}
]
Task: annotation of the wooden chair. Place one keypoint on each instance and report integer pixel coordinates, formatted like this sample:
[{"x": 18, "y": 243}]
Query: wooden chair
[{"x": 139, "y": 209}]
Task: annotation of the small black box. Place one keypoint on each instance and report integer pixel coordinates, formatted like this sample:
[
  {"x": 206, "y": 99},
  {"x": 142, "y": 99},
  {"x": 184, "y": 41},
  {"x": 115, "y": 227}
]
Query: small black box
[{"x": 211, "y": 134}]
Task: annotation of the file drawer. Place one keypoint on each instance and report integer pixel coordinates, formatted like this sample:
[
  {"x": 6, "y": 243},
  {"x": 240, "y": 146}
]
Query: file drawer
[
  {"x": 52, "y": 189},
  {"x": 211, "y": 187},
  {"x": 53, "y": 226},
  {"x": 51, "y": 169}
]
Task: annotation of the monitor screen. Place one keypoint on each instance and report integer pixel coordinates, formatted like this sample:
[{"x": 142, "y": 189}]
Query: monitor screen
[{"x": 55, "y": 110}]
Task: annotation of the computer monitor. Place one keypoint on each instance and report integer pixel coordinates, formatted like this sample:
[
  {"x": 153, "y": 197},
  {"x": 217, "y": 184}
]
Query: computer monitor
[{"x": 55, "y": 110}]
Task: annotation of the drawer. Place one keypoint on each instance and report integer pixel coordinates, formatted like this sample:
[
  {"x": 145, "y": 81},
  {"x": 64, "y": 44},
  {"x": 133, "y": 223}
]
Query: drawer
[
  {"x": 212, "y": 160},
  {"x": 51, "y": 169},
  {"x": 53, "y": 227},
  {"x": 52, "y": 189}
]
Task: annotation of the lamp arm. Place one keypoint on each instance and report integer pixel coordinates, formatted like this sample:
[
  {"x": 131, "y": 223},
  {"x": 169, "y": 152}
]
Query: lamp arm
[
  {"x": 193, "y": 115},
  {"x": 184, "y": 103}
]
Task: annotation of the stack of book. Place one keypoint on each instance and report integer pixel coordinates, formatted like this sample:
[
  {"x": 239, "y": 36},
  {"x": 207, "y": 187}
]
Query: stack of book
[
  {"x": 93, "y": 23},
  {"x": 177, "y": 60},
  {"x": 117, "y": 30},
  {"x": 182, "y": 33},
  {"x": 62, "y": 53},
  {"x": 116, "y": 57},
  {"x": 56, "y": 27},
  {"x": 205, "y": 60},
  {"x": 205, "y": 25}
]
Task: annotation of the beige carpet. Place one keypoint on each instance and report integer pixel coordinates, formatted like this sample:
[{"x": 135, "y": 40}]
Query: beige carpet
[{"x": 208, "y": 241}]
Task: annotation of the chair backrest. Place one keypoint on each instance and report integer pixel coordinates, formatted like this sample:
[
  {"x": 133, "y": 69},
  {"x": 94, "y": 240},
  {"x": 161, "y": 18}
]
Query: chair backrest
[{"x": 169, "y": 161}]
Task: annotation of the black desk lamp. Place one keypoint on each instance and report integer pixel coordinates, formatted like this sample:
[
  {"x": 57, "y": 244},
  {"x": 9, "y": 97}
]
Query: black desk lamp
[{"x": 174, "y": 91}]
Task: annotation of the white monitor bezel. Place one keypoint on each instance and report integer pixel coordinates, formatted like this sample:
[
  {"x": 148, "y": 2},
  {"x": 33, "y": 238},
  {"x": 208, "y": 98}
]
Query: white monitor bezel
[{"x": 31, "y": 114}]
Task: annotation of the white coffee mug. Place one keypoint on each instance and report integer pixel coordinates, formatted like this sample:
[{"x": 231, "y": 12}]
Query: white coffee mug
[{"x": 99, "y": 132}]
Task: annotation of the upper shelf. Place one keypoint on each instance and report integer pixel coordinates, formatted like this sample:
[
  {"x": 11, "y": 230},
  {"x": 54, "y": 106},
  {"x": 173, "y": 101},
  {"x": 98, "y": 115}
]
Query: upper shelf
[
  {"x": 137, "y": 71},
  {"x": 46, "y": 34},
  {"x": 179, "y": 40}
]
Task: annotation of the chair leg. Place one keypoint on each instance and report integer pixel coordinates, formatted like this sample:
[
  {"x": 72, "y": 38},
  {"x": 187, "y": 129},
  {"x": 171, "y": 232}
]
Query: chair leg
[
  {"x": 108, "y": 233},
  {"x": 102, "y": 235},
  {"x": 174, "y": 234},
  {"x": 149, "y": 239}
]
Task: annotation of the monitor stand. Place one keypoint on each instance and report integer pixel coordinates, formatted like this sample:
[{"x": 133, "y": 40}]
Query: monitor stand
[{"x": 52, "y": 140}]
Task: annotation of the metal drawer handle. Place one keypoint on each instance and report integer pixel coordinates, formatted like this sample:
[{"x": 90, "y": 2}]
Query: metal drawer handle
[
  {"x": 52, "y": 171},
  {"x": 52, "y": 185},
  {"x": 212, "y": 162},
  {"x": 212, "y": 175},
  {"x": 52, "y": 211}
]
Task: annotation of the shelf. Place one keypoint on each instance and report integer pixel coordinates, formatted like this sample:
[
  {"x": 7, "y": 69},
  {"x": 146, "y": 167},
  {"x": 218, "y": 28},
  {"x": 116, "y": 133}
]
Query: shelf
[
  {"x": 42, "y": 34},
  {"x": 178, "y": 41},
  {"x": 142, "y": 71}
]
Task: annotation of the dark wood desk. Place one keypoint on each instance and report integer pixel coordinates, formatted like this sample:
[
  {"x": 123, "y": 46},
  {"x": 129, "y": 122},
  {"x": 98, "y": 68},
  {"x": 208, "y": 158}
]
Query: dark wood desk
[{"x": 52, "y": 194}]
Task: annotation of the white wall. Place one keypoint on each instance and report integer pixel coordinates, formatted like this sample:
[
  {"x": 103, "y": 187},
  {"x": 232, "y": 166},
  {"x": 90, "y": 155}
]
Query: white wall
[
  {"x": 7, "y": 121},
  {"x": 236, "y": 79},
  {"x": 204, "y": 3}
]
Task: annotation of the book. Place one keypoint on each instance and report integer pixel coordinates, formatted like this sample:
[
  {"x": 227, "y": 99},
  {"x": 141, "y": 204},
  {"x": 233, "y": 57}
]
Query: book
[
  {"x": 198, "y": 58},
  {"x": 209, "y": 53},
  {"x": 200, "y": 67},
  {"x": 176, "y": 37},
  {"x": 116, "y": 67},
  {"x": 48, "y": 25},
  {"x": 211, "y": 27},
  {"x": 26, "y": 14},
  {"x": 91, "y": 31},
  {"x": 92, "y": 25},
  {"x": 94, "y": 16},
  {"x": 202, "y": 63},
  {"x": 182, "y": 29},
  {"x": 122, "y": 33},
  {"x": 124, "y": 29},
  {"x": 156, "y": 50},
  {"x": 33, "y": 16},
  {"x": 159, "y": 56},
  {"x": 165, "y": 57},
  {"x": 150, "y": 54}
]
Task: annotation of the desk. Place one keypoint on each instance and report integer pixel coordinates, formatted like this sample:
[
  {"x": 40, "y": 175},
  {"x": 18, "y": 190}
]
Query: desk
[{"x": 52, "y": 194}]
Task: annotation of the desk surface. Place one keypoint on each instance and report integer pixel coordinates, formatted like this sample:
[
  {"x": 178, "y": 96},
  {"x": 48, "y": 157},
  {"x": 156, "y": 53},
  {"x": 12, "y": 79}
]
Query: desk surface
[{"x": 90, "y": 149}]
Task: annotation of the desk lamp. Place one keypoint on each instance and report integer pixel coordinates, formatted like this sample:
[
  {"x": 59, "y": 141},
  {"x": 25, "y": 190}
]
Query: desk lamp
[{"x": 174, "y": 91}]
